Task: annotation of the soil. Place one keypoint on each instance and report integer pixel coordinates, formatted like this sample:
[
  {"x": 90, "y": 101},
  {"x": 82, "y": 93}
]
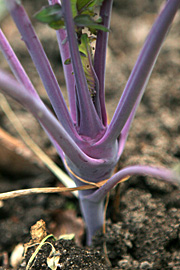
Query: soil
[{"x": 143, "y": 216}]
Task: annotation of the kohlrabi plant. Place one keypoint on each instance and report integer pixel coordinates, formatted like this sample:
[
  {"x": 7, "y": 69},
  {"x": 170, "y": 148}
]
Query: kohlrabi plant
[{"x": 88, "y": 146}]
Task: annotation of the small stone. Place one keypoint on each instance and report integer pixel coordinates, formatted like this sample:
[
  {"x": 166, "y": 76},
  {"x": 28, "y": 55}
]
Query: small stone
[
  {"x": 145, "y": 265},
  {"x": 17, "y": 255},
  {"x": 123, "y": 263}
]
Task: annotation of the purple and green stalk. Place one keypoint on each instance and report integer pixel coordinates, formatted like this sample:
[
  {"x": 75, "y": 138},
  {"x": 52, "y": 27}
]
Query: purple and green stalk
[{"x": 85, "y": 142}]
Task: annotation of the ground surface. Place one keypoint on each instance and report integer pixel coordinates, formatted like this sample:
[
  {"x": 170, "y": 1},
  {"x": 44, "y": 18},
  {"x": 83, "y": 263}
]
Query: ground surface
[{"x": 143, "y": 217}]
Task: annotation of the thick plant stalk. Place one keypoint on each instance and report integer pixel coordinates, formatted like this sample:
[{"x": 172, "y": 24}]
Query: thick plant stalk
[
  {"x": 91, "y": 149},
  {"x": 94, "y": 219}
]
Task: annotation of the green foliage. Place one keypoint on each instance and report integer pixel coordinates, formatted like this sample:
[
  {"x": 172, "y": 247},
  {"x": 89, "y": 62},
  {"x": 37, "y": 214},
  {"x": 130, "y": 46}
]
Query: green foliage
[
  {"x": 85, "y": 20},
  {"x": 50, "y": 14},
  {"x": 74, "y": 8},
  {"x": 88, "y": 6},
  {"x": 67, "y": 61},
  {"x": 83, "y": 13},
  {"x": 84, "y": 5},
  {"x": 86, "y": 59}
]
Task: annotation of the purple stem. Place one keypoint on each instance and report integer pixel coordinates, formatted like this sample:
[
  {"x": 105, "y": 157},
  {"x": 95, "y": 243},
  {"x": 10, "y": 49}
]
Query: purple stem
[
  {"x": 93, "y": 214},
  {"x": 100, "y": 56},
  {"x": 141, "y": 72},
  {"x": 11, "y": 87},
  {"x": 22, "y": 77},
  {"x": 42, "y": 64},
  {"x": 126, "y": 128},
  {"x": 15, "y": 65},
  {"x": 90, "y": 124},
  {"x": 68, "y": 69},
  {"x": 92, "y": 205},
  {"x": 95, "y": 81},
  {"x": 160, "y": 173}
]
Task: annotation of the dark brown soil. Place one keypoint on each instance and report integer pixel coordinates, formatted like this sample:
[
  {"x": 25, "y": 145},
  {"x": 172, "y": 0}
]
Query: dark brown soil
[
  {"x": 71, "y": 257},
  {"x": 143, "y": 216}
]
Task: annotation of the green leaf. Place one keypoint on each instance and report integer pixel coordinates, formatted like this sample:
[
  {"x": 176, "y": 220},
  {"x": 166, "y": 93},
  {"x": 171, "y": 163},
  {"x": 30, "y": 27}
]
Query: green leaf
[
  {"x": 86, "y": 59},
  {"x": 83, "y": 47},
  {"x": 50, "y": 14},
  {"x": 81, "y": 4},
  {"x": 57, "y": 25},
  {"x": 86, "y": 4},
  {"x": 85, "y": 20},
  {"x": 88, "y": 7},
  {"x": 74, "y": 8},
  {"x": 67, "y": 61}
]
